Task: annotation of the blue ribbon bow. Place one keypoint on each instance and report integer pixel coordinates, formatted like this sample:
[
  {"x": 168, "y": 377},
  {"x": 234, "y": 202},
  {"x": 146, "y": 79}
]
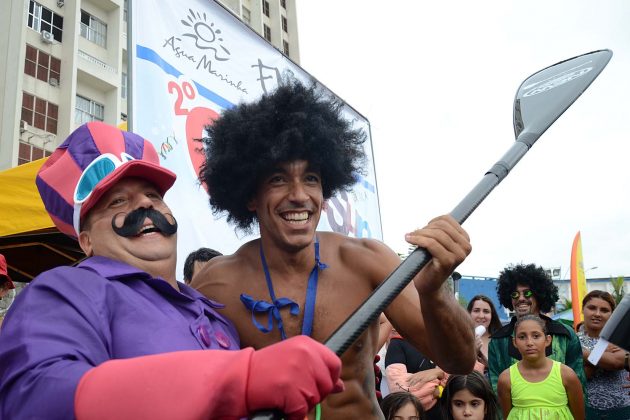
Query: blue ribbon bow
[{"x": 272, "y": 311}]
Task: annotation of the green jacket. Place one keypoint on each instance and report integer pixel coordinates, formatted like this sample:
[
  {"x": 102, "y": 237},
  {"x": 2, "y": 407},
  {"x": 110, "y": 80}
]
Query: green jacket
[{"x": 565, "y": 348}]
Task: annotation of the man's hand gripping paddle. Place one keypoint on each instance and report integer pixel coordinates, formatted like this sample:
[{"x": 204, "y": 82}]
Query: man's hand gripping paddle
[{"x": 540, "y": 100}]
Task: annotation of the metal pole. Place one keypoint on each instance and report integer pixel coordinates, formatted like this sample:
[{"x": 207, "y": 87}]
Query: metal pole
[{"x": 130, "y": 75}]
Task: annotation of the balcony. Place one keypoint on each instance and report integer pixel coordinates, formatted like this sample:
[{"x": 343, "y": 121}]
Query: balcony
[{"x": 87, "y": 57}]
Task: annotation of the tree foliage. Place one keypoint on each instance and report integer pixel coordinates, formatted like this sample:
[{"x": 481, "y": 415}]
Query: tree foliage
[
  {"x": 618, "y": 288},
  {"x": 566, "y": 305}
]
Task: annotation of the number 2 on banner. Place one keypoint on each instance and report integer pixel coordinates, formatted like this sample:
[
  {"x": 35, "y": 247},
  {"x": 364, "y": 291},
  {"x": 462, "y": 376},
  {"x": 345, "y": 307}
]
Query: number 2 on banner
[{"x": 186, "y": 90}]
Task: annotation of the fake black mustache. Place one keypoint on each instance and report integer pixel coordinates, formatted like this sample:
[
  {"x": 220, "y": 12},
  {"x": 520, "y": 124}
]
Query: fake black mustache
[{"x": 135, "y": 220}]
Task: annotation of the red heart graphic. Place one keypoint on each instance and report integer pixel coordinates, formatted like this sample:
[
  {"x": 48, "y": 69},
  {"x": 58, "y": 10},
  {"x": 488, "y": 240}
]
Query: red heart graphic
[{"x": 197, "y": 119}]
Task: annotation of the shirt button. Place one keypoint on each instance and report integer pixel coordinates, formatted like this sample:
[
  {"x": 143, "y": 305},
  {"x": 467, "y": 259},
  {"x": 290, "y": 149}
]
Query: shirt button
[
  {"x": 222, "y": 339},
  {"x": 205, "y": 336}
]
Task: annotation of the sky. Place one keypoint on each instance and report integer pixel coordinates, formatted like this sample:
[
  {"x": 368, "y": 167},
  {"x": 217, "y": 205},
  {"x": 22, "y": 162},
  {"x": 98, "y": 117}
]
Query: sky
[{"x": 437, "y": 82}]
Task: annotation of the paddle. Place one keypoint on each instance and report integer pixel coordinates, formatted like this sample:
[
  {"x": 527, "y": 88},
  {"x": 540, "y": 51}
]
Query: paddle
[{"x": 540, "y": 100}]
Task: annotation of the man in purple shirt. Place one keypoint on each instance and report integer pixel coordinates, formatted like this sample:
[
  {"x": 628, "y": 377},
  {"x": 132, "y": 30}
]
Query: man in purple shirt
[{"x": 117, "y": 336}]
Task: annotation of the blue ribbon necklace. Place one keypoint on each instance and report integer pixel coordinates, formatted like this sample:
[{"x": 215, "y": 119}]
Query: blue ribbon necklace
[{"x": 273, "y": 309}]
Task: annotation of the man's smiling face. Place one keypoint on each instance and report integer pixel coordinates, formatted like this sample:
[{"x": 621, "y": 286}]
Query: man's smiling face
[
  {"x": 288, "y": 205},
  {"x": 524, "y": 301},
  {"x": 148, "y": 246}
]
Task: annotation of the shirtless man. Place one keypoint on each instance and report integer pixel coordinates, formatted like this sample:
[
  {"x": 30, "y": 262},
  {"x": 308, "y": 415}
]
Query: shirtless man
[{"x": 274, "y": 163}]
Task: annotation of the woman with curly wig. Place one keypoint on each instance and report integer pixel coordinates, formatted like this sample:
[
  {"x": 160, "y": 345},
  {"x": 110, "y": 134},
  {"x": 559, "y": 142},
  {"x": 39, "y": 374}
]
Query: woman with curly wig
[
  {"x": 272, "y": 164},
  {"x": 527, "y": 290}
]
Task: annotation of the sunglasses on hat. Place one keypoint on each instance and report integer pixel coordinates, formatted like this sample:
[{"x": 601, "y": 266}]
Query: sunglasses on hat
[{"x": 94, "y": 173}]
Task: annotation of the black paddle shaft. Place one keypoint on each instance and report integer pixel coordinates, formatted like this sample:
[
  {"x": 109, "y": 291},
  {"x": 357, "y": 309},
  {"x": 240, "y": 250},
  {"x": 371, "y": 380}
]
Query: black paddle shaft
[{"x": 367, "y": 313}]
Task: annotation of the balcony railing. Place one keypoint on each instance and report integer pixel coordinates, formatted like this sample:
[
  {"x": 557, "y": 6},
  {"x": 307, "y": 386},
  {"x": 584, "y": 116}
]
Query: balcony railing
[{"x": 96, "y": 61}]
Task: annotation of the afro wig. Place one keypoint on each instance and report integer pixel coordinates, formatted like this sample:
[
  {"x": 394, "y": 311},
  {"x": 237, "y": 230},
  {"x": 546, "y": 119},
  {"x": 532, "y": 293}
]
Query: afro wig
[
  {"x": 532, "y": 276},
  {"x": 294, "y": 122}
]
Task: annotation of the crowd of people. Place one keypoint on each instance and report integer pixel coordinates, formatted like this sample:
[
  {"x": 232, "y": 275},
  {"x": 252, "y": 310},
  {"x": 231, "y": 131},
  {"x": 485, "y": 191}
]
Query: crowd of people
[
  {"x": 118, "y": 336},
  {"x": 531, "y": 368}
]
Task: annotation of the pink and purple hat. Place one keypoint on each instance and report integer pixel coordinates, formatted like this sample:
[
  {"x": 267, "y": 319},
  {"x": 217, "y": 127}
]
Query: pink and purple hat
[{"x": 91, "y": 160}]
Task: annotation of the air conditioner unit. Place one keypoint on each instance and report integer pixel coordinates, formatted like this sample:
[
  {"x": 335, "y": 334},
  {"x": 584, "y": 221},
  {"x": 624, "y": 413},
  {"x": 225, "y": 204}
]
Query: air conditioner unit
[
  {"x": 23, "y": 126},
  {"x": 47, "y": 37},
  {"x": 53, "y": 82}
]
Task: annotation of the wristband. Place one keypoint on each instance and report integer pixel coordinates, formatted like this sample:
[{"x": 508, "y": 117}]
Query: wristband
[{"x": 626, "y": 366}]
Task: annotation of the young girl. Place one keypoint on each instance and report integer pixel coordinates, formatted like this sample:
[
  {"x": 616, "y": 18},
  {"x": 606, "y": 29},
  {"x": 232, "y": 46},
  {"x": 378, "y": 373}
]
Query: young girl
[
  {"x": 401, "y": 406},
  {"x": 537, "y": 387},
  {"x": 469, "y": 397}
]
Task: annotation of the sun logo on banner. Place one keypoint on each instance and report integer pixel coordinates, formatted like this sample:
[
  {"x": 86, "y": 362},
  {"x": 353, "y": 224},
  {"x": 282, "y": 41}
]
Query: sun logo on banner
[{"x": 205, "y": 35}]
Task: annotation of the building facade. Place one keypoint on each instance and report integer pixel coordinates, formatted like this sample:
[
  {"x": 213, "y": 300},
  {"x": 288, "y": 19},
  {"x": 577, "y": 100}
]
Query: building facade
[
  {"x": 601, "y": 283},
  {"x": 469, "y": 286},
  {"x": 64, "y": 63}
]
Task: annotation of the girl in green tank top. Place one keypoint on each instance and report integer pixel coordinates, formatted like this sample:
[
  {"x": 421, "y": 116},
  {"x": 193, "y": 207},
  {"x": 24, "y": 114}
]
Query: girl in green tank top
[{"x": 538, "y": 388}]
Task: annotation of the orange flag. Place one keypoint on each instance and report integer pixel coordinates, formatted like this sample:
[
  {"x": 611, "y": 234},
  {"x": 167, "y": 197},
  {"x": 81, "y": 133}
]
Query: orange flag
[{"x": 578, "y": 280}]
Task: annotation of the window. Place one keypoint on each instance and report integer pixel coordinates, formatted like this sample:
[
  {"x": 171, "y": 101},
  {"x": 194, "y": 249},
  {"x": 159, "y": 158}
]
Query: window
[
  {"x": 247, "y": 16},
  {"x": 87, "y": 110},
  {"x": 267, "y": 30},
  {"x": 41, "y": 65},
  {"x": 265, "y": 4},
  {"x": 123, "y": 86},
  {"x": 42, "y": 19},
  {"x": 125, "y": 10},
  {"x": 284, "y": 24},
  {"x": 285, "y": 47},
  {"x": 39, "y": 113},
  {"x": 30, "y": 61},
  {"x": 28, "y": 153},
  {"x": 93, "y": 29},
  {"x": 283, "y": 3}
]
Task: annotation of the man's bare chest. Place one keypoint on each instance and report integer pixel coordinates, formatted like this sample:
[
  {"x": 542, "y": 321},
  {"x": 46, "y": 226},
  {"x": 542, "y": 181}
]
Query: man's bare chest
[{"x": 337, "y": 295}]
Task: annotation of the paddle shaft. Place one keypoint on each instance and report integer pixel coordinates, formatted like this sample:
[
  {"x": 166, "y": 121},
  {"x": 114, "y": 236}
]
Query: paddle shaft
[{"x": 382, "y": 296}]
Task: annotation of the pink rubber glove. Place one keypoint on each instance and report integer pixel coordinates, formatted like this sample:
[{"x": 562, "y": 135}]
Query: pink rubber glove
[
  {"x": 292, "y": 376},
  {"x": 197, "y": 384}
]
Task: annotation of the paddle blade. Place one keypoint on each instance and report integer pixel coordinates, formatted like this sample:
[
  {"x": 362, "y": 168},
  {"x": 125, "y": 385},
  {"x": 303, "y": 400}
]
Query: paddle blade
[{"x": 546, "y": 94}]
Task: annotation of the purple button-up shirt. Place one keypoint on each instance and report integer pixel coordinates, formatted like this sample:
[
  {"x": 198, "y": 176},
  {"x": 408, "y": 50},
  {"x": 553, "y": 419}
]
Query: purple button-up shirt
[{"x": 71, "y": 319}]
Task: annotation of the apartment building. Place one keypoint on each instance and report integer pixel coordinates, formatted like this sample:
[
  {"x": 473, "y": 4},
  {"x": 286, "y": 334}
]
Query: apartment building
[{"x": 64, "y": 63}]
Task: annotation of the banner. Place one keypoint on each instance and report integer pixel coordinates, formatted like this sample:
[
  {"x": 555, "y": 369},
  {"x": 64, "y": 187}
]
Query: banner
[
  {"x": 191, "y": 60},
  {"x": 578, "y": 280}
]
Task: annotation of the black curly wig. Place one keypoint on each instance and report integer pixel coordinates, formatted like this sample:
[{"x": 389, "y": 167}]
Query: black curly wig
[
  {"x": 294, "y": 122},
  {"x": 532, "y": 276}
]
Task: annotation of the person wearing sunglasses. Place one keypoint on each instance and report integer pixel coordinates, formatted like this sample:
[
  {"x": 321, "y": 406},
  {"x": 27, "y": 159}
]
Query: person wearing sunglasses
[
  {"x": 117, "y": 336},
  {"x": 527, "y": 290}
]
